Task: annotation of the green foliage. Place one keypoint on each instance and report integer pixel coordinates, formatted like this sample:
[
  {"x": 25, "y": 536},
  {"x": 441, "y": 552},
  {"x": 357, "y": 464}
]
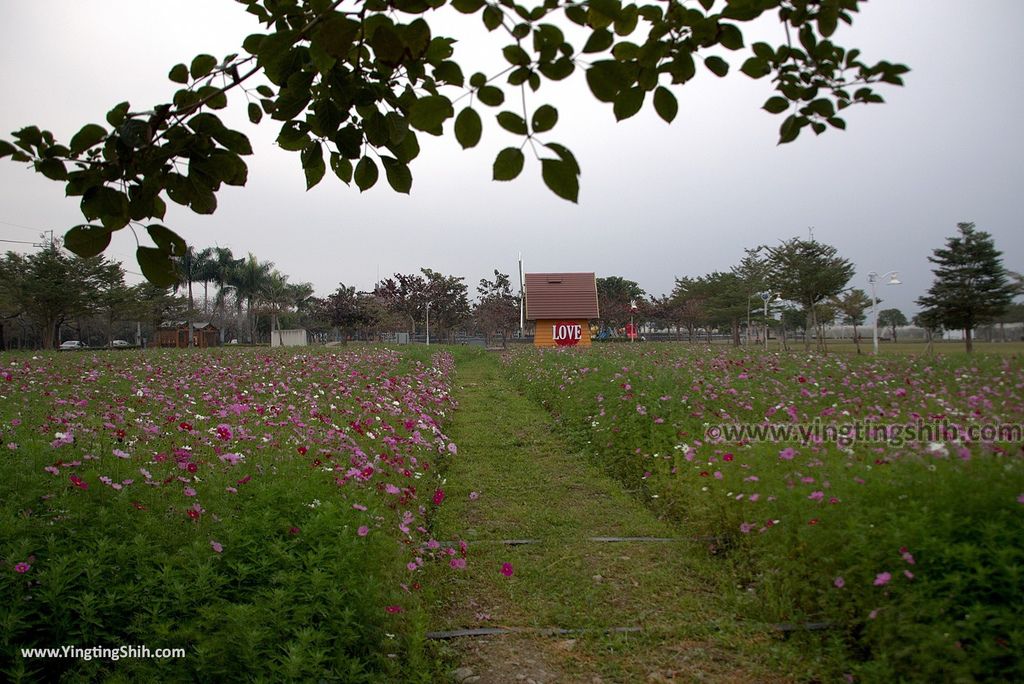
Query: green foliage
[
  {"x": 346, "y": 82},
  {"x": 971, "y": 286}
]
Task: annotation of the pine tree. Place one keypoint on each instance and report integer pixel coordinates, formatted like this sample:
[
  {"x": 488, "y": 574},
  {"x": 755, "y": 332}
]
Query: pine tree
[{"x": 971, "y": 286}]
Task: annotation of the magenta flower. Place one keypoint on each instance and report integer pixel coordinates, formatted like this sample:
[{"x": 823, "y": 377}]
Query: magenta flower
[
  {"x": 438, "y": 497},
  {"x": 816, "y": 496},
  {"x": 507, "y": 570},
  {"x": 458, "y": 563},
  {"x": 224, "y": 432},
  {"x": 473, "y": 496},
  {"x": 882, "y": 578},
  {"x": 393, "y": 609},
  {"x": 839, "y": 582},
  {"x": 216, "y": 546},
  {"x": 363, "y": 531},
  {"x": 22, "y": 567},
  {"x": 787, "y": 454}
]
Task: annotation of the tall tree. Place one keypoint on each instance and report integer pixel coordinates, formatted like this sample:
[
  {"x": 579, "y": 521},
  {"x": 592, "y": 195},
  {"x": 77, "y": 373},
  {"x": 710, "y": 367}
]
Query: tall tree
[
  {"x": 249, "y": 281},
  {"x": 807, "y": 272},
  {"x": 752, "y": 273},
  {"x": 971, "y": 286},
  {"x": 497, "y": 309},
  {"x": 852, "y": 306},
  {"x": 351, "y": 85},
  {"x": 614, "y": 295},
  {"x": 689, "y": 304},
  {"x": 892, "y": 319}
]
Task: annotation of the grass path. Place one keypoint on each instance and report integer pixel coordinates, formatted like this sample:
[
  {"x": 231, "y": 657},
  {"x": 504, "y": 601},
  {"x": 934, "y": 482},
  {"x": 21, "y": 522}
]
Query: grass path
[{"x": 531, "y": 484}]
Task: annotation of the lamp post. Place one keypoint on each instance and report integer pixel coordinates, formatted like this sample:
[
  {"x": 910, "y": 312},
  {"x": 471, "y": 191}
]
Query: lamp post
[
  {"x": 766, "y": 297},
  {"x": 873, "y": 279},
  {"x": 428, "y": 323},
  {"x": 632, "y": 327}
]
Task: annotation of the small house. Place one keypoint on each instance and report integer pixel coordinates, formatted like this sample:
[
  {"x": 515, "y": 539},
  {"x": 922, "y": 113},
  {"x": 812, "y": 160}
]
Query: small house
[
  {"x": 175, "y": 334},
  {"x": 561, "y": 306}
]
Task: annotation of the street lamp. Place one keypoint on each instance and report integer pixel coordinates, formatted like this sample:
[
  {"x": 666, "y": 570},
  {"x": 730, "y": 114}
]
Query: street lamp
[
  {"x": 428, "y": 323},
  {"x": 873, "y": 279},
  {"x": 767, "y": 297}
]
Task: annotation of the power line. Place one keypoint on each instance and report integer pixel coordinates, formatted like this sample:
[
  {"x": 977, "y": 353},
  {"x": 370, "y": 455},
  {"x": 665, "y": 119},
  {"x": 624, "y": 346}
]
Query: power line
[
  {"x": 21, "y": 242},
  {"x": 18, "y": 225}
]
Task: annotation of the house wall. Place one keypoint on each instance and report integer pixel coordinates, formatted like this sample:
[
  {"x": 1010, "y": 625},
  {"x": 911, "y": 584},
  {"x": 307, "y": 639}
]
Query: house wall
[
  {"x": 288, "y": 338},
  {"x": 544, "y": 332}
]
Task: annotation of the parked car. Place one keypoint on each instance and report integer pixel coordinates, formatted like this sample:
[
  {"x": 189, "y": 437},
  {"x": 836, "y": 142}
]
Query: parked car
[
  {"x": 120, "y": 344},
  {"x": 71, "y": 345}
]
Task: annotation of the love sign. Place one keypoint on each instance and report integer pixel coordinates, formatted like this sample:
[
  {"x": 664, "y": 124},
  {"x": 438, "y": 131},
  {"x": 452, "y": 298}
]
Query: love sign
[{"x": 566, "y": 333}]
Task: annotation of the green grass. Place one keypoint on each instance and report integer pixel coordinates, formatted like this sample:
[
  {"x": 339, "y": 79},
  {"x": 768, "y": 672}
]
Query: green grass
[{"x": 531, "y": 483}]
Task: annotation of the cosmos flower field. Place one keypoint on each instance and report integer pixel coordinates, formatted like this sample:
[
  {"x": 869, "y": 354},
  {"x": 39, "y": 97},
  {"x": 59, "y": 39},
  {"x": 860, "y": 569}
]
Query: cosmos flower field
[
  {"x": 266, "y": 510},
  {"x": 907, "y": 551}
]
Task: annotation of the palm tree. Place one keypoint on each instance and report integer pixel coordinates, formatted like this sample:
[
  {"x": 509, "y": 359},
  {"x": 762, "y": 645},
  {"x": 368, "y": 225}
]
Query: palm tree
[
  {"x": 188, "y": 273},
  {"x": 249, "y": 281},
  {"x": 222, "y": 263}
]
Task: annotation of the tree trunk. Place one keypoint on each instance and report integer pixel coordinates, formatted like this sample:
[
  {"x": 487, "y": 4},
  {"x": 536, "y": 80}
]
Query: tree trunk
[
  {"x": 894, "y": 333},
  {"x": 736, "y": 332},
  {"x": 856, "y": 339},
  {"x": 968, "y": 341}
]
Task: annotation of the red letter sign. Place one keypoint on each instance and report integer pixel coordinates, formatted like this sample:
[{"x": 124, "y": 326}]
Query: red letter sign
[{"x": 566, "y": 333}]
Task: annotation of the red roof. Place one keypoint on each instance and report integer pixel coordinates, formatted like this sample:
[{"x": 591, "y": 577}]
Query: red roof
[{"x": 561, "y": 295}]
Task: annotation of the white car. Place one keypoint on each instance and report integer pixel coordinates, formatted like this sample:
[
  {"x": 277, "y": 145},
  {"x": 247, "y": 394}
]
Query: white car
[
  {"x": 120, "y": 344},
  {"x": 71, "y": 344}
]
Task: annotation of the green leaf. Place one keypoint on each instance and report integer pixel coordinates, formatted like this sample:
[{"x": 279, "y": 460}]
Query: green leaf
[
  {"x": 790, "y": 129},
  {"x": 716, "y": 65},
  {"x": 756, "y": 67},
  {"x": 508, "y": 164},
  {"x": 776, "y": 105},
  {"x": 366, "y": 174},
  {"x": 606, "y": 79},
  {"x": 565, "y": 155},
  {"x": 512, "y": 122},
  {"x": 337, "y": 34},
  {"x": 467, "y": 6},
  {"x": 157, "y": 266},
  {"x": 115, "y": 117},
  {"x": 341, "y": 167},
  {"x": 628, "y": 103},
  {"x": 178, "y": 73},
  {"x": 106, "y": 204},
  {"x": 313, "y": 164},
  {"x": 491, "y": 96},
  {"x": 53, "y": 169},
  {"x": 561, "y": 178},
  {"x": 599, "y": 40},
  {"x": 169, "y": 242},
  {"x": 665, "y": 104},
  {"x": 468, "y": 128},
  {"x": 516, "y": 55},
  {"x": 428, "y": 113},
  {"x": 6, "y": 149},
  {"x": 87, "y": 240},
  {"x": 491, "y": 17},
  {"x": 202, "y": 65},
  {"x": 544, "y": 119},
  {"x": 398, "y": 174},
  {"x": 89, "y": 135},
  {"x": 730, "y": 36},
  {"x": 449, "y": 72}
]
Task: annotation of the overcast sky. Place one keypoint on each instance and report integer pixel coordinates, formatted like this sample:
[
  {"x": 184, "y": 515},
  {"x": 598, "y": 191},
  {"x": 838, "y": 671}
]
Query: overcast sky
[{"x": 656, "y": 201}]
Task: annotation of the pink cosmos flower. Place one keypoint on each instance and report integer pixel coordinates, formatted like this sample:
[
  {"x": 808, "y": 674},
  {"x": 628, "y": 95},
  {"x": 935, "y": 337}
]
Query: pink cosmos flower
[
  {"x": 816, "y": 496},
  {"x": 363, "y": 531},
  {"x": 909, "y": 575},
  {"x": 189, "y": 491},
  {"x": 216, "y": 546},
  {"x": 507, "y": 569},
  {"x": 121, "y": 454},
  {"x": 458, "y": 563},
  {"x": 22, "y": 567},
  {"x": 839, "y": 582},
  {"x": 393, "y": 609},
  {"x": 882, "y": 578},
  {"x": 787, "y": 454},
  {"x": 224, "y": 432},
  {"x": 438, "y": 497},
  {"x": 79, "y": 482},
  {"x": 473, "y": 496},
  {"x": 359, "y": 507}
]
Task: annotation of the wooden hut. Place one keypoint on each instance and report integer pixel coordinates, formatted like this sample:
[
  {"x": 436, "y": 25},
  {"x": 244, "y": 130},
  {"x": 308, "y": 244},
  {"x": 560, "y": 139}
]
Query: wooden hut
[
  {"x": 175, "y": 334},
  {"x": 561, "y": 306}
]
